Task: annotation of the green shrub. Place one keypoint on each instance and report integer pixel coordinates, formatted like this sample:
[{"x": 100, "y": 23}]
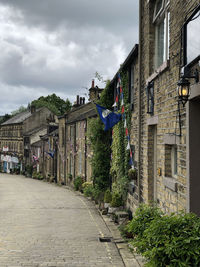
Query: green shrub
[
  {"x": 172, "y": 241},
  {"x": 142, "y": 219},
  {"x": 29, "y": 170},
  {"x": 107, "y": 196},
  {"x": 34, "y": 174},
  {"x": 97, "y": 195},
  {"x": 116, "y": 200},
  {"x": 78, "y": 183},
  {"x": 40, "y": 176},
  {"x": 88, "y": 189},
  {"x": 69, "y": 176},
  {"x": 165, "y": 240}
]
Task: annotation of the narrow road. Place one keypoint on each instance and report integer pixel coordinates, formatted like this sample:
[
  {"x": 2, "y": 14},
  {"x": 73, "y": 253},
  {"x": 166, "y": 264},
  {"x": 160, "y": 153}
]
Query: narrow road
[{"x": 44, "y": 225}]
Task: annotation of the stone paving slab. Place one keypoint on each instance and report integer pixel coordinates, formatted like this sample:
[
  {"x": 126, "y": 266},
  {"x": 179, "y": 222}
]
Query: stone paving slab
[{"x": 43, "y": 225}]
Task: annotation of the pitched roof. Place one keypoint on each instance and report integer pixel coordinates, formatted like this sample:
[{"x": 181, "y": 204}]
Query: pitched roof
[
  {"x": 18, "y": 118},
  {"x": 83, "y": 112}
]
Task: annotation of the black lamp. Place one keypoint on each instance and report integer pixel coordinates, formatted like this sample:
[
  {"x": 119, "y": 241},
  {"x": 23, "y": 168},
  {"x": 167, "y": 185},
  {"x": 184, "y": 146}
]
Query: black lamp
[
  {"x": 184, "y": 85},
  {"x": 183, "y": 90}
]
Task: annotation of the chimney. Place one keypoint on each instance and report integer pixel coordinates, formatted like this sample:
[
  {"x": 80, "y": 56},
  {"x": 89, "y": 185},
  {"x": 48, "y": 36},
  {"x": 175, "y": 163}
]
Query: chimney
[
  {"x": 77, "y": 100},
  {"x": 92, "y": 83},
  {"x": 33, "y": 109},
  {"x": 83, "y": 100}
]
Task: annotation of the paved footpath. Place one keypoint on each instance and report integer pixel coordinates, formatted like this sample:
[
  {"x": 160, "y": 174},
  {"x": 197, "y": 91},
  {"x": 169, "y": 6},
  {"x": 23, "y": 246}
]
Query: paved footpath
[{"x": 46, "y": 225}]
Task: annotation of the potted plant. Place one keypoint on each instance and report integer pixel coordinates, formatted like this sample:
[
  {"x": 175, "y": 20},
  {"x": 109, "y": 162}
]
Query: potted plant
[{"x": 107, "y": 198}]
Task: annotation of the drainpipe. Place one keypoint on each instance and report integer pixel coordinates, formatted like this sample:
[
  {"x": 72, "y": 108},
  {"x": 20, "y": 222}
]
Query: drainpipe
[
  {"x": 85, "y": 150},
  {"x": 139, "y": 102},
  {"x": 65, "y": 150}
]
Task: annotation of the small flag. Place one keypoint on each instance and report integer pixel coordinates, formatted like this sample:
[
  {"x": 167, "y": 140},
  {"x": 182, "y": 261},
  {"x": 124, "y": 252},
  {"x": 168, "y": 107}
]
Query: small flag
[
  {"x": 126, "y": 131},
  {"x": 116, "y": 100},
  {"x": 131, "y": 162},
  {"x": 122, "y": 109},
  {"x": 125, "y": 124},
  {"x": 128, "y": 146},
  {"x": 108, "y": 117},
  {"x": 114, "y": 105}
]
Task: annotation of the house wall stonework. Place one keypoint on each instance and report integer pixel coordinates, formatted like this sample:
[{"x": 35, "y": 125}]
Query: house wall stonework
[
  {"x": 61, "y": 151},
  {"x": 168, "y": 190}
]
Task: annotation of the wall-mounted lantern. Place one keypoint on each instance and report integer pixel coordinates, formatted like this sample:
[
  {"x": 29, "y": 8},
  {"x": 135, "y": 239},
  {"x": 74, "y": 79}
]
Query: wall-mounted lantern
[
  {"x": 150, "y": 97},
  {"x": 184, "y": 90},
  {"x": 184, "y": 85}
]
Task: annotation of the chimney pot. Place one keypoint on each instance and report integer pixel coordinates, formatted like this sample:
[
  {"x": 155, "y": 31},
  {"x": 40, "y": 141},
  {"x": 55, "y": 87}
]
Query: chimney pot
[
  {"x": 77, "y": 100},
  {"x": 92, "y": 83},
  {"x": 83, "y": 100},
  {"x": 33, "y": 109},
  {"x": 80, "y": 100}
]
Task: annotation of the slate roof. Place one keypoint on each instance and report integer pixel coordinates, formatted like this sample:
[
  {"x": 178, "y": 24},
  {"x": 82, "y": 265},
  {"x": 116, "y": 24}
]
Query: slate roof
[
  {"x": 82, "y": 112},
  {"x": 18, "y": 118},
  {"x": 35, "y": 130}
]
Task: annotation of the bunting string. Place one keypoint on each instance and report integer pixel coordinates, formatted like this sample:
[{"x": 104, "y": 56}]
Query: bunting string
[{"x": 120, "y": 95}]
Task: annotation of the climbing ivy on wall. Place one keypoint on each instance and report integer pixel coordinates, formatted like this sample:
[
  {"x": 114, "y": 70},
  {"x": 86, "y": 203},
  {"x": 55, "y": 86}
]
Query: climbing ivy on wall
[
  {"x": 120, "y": 155},
  {"x": 100, "y": 141}
]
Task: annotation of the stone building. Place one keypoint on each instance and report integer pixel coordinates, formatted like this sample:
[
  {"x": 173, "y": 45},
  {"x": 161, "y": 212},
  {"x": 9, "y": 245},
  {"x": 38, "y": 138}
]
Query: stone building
[
  {"x": 49, "y": 153},
  {"x": 11, "y": 142},
  {"x": 168, "y": 143},
  {"x": 41, "y": 122},
  {"x": 20, "y": 138},
  {"x": 73, "y": 150},
  {"x": 164, "y": 125}
]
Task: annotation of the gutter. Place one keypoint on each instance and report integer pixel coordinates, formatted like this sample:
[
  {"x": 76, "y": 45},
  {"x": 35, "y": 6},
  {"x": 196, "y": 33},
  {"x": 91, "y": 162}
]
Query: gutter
[{"x": 139, "y": 102}]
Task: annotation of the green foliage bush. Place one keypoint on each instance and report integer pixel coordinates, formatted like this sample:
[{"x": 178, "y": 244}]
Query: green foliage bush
[
  {"x": 173, "y": 241},
  {"x": 142, "y": 219},
  {"x": 29, "y": 169},
  {"x": 107, "y": 196},
  {"x": 78, "y": 181},
  {"x": 37, "y": 175},
  {"x": 69, "y": 176},
  {"x": 116, "y": 200},
  {"x": 166, "y": 240},
  {"x": 120, "y": 154},
  {"x": 99, "y": 141},
  {"x": 88, "y": 189}
]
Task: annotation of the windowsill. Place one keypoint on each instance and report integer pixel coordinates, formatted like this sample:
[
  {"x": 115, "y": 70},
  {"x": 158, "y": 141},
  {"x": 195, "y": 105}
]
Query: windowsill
[
  {"x": 170, "y": 183},
  {"x": 158, "y": 71}
]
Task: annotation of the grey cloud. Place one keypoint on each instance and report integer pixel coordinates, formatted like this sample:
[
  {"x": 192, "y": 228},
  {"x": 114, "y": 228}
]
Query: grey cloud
[
  {"x": 57, "y": 46},
  {"x": 51, "y": 13}
]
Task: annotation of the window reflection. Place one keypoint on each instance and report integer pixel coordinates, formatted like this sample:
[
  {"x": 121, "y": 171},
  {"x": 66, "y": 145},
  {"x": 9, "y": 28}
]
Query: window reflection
[{"x": 193, "y": 38}]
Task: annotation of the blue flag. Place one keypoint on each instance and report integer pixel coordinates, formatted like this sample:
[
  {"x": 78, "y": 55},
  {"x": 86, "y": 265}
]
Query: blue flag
[{"x": 108, "y": 117}]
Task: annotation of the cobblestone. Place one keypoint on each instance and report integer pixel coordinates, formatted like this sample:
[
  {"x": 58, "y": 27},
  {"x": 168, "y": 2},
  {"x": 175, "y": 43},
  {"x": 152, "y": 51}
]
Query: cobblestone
[{"x": 44, "y": 225}]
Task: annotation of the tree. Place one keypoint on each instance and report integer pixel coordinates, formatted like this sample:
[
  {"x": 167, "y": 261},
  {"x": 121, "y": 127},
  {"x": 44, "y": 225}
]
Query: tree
[
  {"x": 53, "y": 102},
  {"x": 5, "y": 118},
  {"x": 19, "y": 110}
]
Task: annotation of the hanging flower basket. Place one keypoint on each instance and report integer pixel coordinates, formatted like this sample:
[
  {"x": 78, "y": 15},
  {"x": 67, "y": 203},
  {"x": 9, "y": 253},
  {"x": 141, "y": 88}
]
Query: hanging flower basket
[{"x": 132, "y": 173}]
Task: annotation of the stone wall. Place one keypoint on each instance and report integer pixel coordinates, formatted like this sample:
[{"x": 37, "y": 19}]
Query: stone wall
[{"x": 158, "y": 183}]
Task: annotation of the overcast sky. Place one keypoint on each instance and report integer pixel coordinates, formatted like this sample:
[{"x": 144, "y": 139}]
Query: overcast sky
[{"x": 56, "y": 46}]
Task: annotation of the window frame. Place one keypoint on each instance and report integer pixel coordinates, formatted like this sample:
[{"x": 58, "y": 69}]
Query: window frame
[
  {"x": 184, "y": 38},
  {"x": 174, "y": 161},
  {"x": 163, "y": 16}
]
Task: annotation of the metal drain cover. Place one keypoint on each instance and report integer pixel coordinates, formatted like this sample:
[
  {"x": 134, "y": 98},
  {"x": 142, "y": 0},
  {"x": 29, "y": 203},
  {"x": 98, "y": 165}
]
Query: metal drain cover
[{"x": 105, "y": 239}]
